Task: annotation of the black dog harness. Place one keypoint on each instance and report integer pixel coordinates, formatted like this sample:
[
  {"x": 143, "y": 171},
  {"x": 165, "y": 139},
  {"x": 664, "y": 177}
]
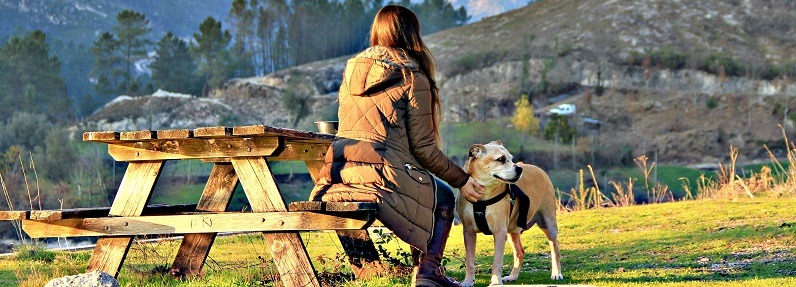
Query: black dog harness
[{"x": 517, "y": 196}]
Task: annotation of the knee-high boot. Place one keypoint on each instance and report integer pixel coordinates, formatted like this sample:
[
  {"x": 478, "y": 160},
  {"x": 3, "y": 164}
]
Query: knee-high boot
[{"x": 429, "y": 271}]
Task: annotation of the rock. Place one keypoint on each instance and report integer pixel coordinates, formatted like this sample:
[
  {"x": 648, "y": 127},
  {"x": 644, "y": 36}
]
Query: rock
[{"x": 91, "y": 279}]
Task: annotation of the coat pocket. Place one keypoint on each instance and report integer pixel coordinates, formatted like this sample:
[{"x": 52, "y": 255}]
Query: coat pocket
[{"x": 417, "y": 174}]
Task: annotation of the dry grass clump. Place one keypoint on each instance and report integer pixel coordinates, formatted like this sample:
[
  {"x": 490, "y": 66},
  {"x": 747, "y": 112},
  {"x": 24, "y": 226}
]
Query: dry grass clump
[{"x": 775, "y": 181}]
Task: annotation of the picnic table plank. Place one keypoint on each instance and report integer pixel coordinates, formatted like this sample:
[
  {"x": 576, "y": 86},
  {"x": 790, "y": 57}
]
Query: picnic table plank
[
  {"x": 294, "y": 266},
  {"x": 103, "y": 211},
  {"x": 106, "y": 137},
  {"x": 299, "y": 151},
  {"x": 215, "y": 197},
  {"x": 137, "y": 135},
  {"x": 133, "y": 194},
  {"x": 263, "y": 130},
  {"x": 322, "y": 206},
  {"x": 174, "y": 134},
  {"x": 212, "y": 132},
  {"x": 193, "y": 148},
  {"x": 193, "y": 223},
  {"x": 14, "y": 215}
]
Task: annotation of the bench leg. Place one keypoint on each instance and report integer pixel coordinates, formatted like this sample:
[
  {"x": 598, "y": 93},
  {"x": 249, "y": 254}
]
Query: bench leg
[
  {"x": 132, "y": 197},
  {"x": 287, "y": 249},
  {"x": 216, "y": 197},
  {"x": 362, "y": 254}
]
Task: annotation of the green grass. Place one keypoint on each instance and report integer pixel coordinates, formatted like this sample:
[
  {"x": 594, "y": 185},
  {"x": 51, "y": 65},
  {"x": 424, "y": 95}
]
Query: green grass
[{"x": 749, "y": 242}]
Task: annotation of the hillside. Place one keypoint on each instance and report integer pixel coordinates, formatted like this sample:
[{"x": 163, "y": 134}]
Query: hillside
[{"x": 720, "y": 75}]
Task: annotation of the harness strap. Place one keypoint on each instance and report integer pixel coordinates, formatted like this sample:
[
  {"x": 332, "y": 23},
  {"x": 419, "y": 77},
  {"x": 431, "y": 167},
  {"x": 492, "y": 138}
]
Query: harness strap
[
  {"x": 524, "y": 203},
  {"x": 479, "y": 212}
]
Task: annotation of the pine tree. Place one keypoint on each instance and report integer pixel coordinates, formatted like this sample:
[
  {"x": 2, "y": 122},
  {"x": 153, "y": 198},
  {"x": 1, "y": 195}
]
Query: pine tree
[
  {"x": 173, "y": 68},
  {"x": 131, "y": 29},
  {"x": 107, "y": 65},
  {"x": 210, "y": 52},
  {"x": 31, "y": 79},
  {"x": 242, "y": 20}
]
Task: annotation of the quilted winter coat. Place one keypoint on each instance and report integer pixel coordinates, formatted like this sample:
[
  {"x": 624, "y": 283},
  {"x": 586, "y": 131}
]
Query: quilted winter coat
[{"x": 385, "y": 149}]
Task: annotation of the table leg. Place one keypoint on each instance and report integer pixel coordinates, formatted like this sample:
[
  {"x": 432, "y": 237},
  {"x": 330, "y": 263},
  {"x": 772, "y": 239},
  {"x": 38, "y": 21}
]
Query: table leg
[
  {"x": 287, "y": 249},
  {"x": 215, "y": 197},
  {"x": 361, "y": 252},
  {"x": 132, "y": 197}
]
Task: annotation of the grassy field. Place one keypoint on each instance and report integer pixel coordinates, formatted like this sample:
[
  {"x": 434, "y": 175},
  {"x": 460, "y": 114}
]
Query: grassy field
[{"x": 747, "y": 242}]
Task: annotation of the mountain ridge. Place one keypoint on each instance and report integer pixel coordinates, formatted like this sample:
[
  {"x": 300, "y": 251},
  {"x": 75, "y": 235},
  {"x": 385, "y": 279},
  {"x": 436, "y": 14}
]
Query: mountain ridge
[{"x": 567, "y": 51}]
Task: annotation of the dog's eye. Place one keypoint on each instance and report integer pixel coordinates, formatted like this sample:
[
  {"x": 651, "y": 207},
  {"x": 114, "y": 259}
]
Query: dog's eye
[{"x": 502, "y": 159}]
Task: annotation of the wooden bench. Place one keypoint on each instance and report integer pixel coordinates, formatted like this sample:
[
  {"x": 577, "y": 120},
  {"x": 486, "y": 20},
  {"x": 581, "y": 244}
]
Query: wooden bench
[
  {"x": 240, "y": 155},
  {"x": 354, "y": 238}
]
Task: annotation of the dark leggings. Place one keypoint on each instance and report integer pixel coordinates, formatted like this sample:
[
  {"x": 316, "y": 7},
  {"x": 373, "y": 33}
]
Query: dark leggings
[{"x": 445, "y": 197}]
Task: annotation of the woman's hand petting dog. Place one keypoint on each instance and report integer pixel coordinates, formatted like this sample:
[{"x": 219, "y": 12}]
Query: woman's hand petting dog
[{"x": 472, "y": 190}]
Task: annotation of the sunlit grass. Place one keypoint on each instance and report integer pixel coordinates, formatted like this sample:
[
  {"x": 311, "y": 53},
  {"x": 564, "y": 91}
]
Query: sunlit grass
[{"x": 745, "y": 242}]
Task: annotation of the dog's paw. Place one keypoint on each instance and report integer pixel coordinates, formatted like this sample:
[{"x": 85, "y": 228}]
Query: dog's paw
[
  {"x": 556, "y": 277},
  {"x": 468, "y": 283},
  {"x": 510, "y": 278}
]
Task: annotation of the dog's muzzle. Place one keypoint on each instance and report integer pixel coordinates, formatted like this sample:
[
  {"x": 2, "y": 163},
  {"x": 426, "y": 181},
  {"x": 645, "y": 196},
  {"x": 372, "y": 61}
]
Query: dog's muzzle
[{"x": 517, "y": 175}]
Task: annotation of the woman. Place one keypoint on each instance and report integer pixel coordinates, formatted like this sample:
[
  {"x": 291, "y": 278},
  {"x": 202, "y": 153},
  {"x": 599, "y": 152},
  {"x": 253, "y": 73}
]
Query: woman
[{"x": 387, "y": 143}]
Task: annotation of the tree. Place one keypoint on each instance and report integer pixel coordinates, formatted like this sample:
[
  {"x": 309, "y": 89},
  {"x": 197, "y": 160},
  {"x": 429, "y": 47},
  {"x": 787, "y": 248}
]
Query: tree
[
  {"x": 241, "y": 19},
  {"x": 131, "y": 29},
  {"x": 523, "y": 120},
  {"x": 173, "y": 68},
  {"x": 210, "y": 51},
  {"x": 31, "y": 79},
  {"x": 107, "y": 65},
  {"x": 559, "y": 128}
]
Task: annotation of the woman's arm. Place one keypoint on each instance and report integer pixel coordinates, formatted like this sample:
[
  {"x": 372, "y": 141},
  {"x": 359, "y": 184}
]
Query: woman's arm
[{"x": 420, "y": 131}]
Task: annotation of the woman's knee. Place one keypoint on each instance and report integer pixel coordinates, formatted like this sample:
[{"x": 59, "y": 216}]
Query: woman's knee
[{"x": 445, "y": 196}]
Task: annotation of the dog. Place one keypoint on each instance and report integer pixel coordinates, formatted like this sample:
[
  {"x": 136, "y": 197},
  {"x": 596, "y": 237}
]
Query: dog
[{"x": 491, "y": 165}]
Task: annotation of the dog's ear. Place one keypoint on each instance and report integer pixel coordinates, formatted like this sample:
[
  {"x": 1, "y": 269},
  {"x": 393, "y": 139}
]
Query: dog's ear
[
  {"x": 497, "y": 142},
  {"x": 477, "y": 150}
]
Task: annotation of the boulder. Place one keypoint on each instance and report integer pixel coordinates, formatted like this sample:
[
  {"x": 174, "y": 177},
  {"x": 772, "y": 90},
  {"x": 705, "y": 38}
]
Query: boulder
[{"x": 91, "y": 279}]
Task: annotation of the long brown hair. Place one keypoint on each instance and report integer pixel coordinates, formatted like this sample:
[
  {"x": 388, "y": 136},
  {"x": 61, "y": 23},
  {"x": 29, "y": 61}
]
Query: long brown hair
[{"x": 396, "y": 26}]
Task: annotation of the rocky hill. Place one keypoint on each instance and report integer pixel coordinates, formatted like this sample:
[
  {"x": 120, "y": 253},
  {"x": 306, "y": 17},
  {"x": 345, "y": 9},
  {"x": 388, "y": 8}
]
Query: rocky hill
[{"x": 727, "y": 83}]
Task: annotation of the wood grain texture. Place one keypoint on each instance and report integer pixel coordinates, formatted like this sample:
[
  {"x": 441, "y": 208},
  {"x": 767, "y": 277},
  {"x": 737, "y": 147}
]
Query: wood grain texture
[
  {"x": 341, "y": 207},
  {"x": 212, "y": 132},
  {"x": 215, "y": 198},
  {"x": 133, "y": 194},
  {"x": 294, "y": 266},
  {"x": 104, "y": 137},
  {"x": 14, "y": 215},
  {"x": 262, "y": 130},
  {"x": 192, "y": 223},
  {"x": 103, "y": 211},
  {"x": 175, "y": 134},
  {"x": 193, "y": 148},
  {"x": 137, "y": 135}
]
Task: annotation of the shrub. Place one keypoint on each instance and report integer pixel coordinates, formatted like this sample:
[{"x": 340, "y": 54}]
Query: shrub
[
  {"x": 473, "y": 61},
  {"x": 559, "y": 125},
  {"x": 771, "y": 72},
  {"x": 717, "y": 61},
  {"x": 712, "y": 103},
  {"x": 668, "y": 58},
  {"x": 34, "y": 252}
]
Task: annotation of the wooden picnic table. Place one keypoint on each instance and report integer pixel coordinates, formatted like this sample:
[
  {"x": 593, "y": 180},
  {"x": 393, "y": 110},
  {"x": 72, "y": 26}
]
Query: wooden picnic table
[{"x": 240, "y": 155}]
